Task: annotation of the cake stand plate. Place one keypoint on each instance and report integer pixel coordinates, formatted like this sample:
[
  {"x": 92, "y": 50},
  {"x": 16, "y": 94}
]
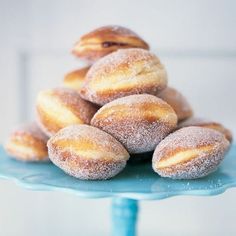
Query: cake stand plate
[{"x": 136, "y": 182}]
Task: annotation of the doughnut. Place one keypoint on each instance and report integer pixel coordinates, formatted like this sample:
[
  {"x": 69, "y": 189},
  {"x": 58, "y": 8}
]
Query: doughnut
[
  {"x": 27, "y": 143},
  {"x": 177, "y": 101},
  {"x": 86, "y": 152},
  {"x": 122, "y": 73},
  {"x": 105, "y": 40},
  {"x": 61, "y": 107},
  {"x": 195, "y": 121},
  {"x": 189, "y": 153},
  {"x": 139, "y": 122},
  {"x": 75, "y": 79}
]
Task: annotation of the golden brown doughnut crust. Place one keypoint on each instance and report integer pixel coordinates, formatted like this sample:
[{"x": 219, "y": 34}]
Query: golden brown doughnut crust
[
  {"x": 86, "y": 152},
  {"x": 190, "y": 153},
  {"x": 122, "y": 73},
  {"x": 105, "y": 40},
  {"x": 177, "y": 101},
  {"x": 195, "y": 121},
  {"x": 75, "y": 79},
  {"x": 139, "y": 122},
  {"x": 27, "y": 143},
  {"x": 61, "y": 107}
]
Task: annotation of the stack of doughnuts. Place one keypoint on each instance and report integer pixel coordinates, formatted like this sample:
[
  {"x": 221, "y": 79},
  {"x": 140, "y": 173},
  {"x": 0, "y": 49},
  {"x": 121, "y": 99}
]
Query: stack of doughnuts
[{"x": 119, "y": 107}]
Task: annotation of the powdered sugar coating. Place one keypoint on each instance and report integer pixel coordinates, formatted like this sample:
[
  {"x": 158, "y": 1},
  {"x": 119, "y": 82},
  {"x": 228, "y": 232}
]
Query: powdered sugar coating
[
  {"x": 111, "y": 155},
  {"x": 87, "y": 169},
  {"x": 135, "y": 124},
  {"x": 202, "y": 122},
  {"x": 191, "y": 138},
  {"x": 71, "y": 99},
  {"x": 136, "y": 99},
  {"x": 80, "y": 111},
  {"x": 121, "y": 58},
  {"x": 122, "y": 73},
  {"x": 177, "y": 101}
]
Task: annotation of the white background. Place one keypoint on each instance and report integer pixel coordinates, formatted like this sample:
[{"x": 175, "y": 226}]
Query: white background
[{"x": 196, "y": 40}]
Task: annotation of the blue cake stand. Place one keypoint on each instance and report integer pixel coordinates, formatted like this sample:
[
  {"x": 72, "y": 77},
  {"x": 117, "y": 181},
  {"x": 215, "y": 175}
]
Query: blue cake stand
[{"x": 136, "y": 182}]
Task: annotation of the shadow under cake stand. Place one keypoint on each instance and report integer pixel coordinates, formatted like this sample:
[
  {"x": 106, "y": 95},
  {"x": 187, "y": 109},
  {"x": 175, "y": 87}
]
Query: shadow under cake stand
[{"x": 137, "y": 182}]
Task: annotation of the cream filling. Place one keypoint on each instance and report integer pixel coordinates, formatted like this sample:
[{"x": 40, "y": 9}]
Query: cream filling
[
  {"x": 90, "y": 150},
  {"x": 180, "y": 157},
  {"x": 160, "y": 113},
  {"x": 129, "y": 80},
  {"x": 96, "y": 154}
]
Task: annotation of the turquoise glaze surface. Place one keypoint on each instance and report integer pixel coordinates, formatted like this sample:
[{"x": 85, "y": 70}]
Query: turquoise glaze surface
[{"x": 137, "y": 181}]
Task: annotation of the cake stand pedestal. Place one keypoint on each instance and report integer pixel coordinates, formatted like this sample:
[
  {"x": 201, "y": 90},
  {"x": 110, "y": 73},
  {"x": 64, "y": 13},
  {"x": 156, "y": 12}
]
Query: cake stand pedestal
[
  {"x": 137, "y": 182},
  {"x": 124, "y": 216}
]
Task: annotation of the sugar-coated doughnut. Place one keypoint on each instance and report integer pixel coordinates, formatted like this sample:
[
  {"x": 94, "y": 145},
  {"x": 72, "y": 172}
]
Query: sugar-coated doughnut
[
  {"x": 61, "y": 107},
  {"x": 86, "y": 152},
  {"x": 189, "y": 153},
  {"x": 105, "y": 40},
  {"x": 121, "y": 73},
  {"x": 139, "y": 122},
  {"x": 196, "y": 121},
  {"x": 75, "y": 79},
  {"x": 27, "y": 143},
  {"x": 177, "y": 101}
]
